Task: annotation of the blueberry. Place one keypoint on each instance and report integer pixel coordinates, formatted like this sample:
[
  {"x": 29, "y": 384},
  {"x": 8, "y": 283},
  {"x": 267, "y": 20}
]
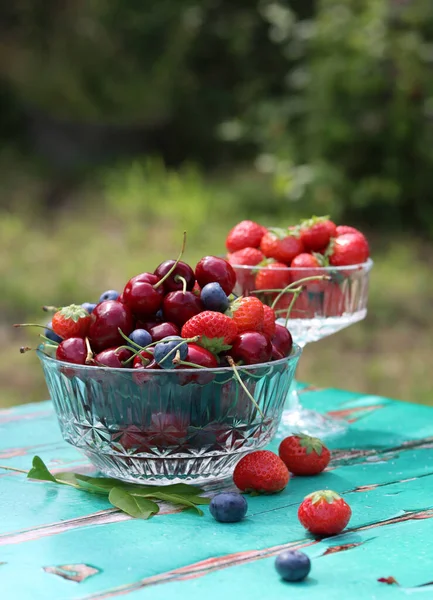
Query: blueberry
[
  {"x": 51, "y": 335},
  {"x": 109, "y": 295},
  {"x": 164, "y": 347},
  {"x": 89, "y": 306},
  {"x": 214, "y": 298},
  {"x": 292, "y": 565},
  {"x": 228, "y": 507},
  {"x": 140, "y": 337}
]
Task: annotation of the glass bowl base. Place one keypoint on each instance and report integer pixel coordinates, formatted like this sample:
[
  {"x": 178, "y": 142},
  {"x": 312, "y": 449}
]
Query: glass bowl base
[
  {"x": 197, "y": 470},
  {"x": 311, "y": 423}
]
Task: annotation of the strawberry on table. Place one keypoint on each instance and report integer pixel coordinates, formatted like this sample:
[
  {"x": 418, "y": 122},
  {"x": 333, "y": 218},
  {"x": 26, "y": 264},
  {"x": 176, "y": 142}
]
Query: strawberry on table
[
  {"x": 71, "y": 321},
  {"x": 348, "y": 249},
  {"x": 244, "y": 234},
  {"x": 216, "y": 331},
  {"x": 324, "y": 513},
  {"x": 304, "y": 455},
  {"x": 316, "y": 232},
  {"x": 248, "y": 314},
  {"x": 282, "y": 245},
  {"x": 261, "y": 471}
]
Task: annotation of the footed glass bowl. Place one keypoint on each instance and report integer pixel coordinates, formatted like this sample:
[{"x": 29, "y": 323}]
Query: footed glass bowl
[{"x": 168, "y": 426}]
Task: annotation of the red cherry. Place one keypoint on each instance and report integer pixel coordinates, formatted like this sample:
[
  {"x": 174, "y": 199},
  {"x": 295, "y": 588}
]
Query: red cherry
[
  {"x": 72, "y": 350},
  {"x": 166, "y": 429},
  {"x": 282, "y": 340},
  {"x": 141, "y": 295},
  {"x": 113, "y": 357},
  {"x": 213, "y": 268},
  {"x": 107, "y": 318},
  {"x": 133, "y": 438},
  {"x": 276, "y": 353},
  {"x": 143, "y": 372},
  {"x": 162, "y": 330},
  {"x": 251, "y": 348},
  {"x": 147, "y": 325},
  {"x": 179, "y": 307},
  {"x": 198, "y": 356},
  {"x": 173, "y": 283}
]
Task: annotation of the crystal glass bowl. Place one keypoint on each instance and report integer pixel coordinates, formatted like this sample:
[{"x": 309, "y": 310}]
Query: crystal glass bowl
[
  {"x": 322, "y": 308},
  {"x": 168, "y": 426}
]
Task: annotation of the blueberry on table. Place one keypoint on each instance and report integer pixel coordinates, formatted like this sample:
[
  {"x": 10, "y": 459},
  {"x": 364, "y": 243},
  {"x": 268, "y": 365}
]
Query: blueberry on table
[
  {"x": 228, "y": 507},
  {"x": 140, "y": 337},
  {"x": 48, "y": 333},
  {"x": 89, "y": 306},
  {"x": 165, "y": 352},
  {"x": 293, "y": 565},
  {"x": 109, "y": 295},
  {"x": 214, "y": 298}
]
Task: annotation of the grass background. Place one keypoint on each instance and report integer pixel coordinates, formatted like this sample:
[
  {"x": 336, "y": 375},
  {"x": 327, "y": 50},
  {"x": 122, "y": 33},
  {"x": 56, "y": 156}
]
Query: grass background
[{"x": 127, "y": 219}]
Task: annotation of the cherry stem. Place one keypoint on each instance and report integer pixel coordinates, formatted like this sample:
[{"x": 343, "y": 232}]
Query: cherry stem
[
  {"x": 242, "y": 384},
  {"x": 50, "y": 308},
  {"x": 89, "y": 357},
  {"x": 13, "y": 469},
  {"x": 25, "y": 349},
  {"x": 184, "y": 282},
  {"x": 177, "y": 361},
  {"x": 296, "y": 284},
  {"x": 161, "y": 281},
  {"x": 50, "y": 342},
  {"x": 35, "y": 325},
  {"x": 296, "y": 295}
]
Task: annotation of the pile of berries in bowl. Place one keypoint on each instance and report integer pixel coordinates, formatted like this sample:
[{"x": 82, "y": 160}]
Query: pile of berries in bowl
[
  {"x": 174, "y": 379},
  {"x": 312, "y": 270}
]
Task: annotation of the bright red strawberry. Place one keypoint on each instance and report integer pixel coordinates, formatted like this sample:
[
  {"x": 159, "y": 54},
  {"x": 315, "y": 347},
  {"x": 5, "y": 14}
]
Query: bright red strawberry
[
  {"x": 196, "y": 289},
  {"x": 342, "y": 229},
  {"x": 316, "y": 232},
  {"x": 261, "y": 471},
  {"x": 216, "y": 331},
  {"x": 247, "y": 256},
  {"x": 244, "y": 234},
  {"x": 71, "y": 321},
  {"x": 324, "y": 513},
  {"x": 281, "y": 245},
  {"x": 348, "y": 249},
  {"x": 248, "y": 314},
  {"x": 304, "y": 455},
  {"x": 269, "y": 317},
  {"x": 275, "y": 276}
]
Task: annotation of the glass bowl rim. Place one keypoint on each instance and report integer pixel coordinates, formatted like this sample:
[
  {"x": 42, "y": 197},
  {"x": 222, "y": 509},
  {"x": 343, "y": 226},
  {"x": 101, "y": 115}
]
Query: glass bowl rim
[
  {"x": 364, "y": 267},
  {"x": 294, "y": 354}
]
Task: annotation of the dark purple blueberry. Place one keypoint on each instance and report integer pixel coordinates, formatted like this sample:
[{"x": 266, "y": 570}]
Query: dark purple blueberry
[
  {"x": 214, "y": 298},
  {"x": 89, "y": 306},
  {"x": 109, "y": 295},
  {"x": 141, "y": 337},
  {"x": 292, "y": 565},
  {"x": 165, "y": 346},
  {"x": 228, "y": 507},
  {"x": 51, "y": 335}
]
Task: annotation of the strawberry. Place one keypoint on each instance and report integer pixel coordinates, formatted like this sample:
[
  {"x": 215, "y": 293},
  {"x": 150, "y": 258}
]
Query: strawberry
[
  {"x": 310, "y": 267},
  {"x": 261, "y": 471},
  {"x": 242, "y": 259},
  {"x": 342, "y": 229},
  {"x": 71, "y": 321},
  {"x": 196, "y": 290},
  {"x": 268, "y": 321},
  {"x": 243, "y": 235},
  {"x": 348, "y": 249},
  {"x": 334, "y": 301},
  {"x": 247, "y": 256},
  {"x": 281, "y": 245},
  {"x": 304, "y": 455},
  {"x": 275, "y": 276},
  {"x": 316, "y": 232},
  {"x": 324, "y": 513},
  {"x": 248, "y": 314},
  {"x": 301, "y": 309},
  {"x": 216, "y": 331}
]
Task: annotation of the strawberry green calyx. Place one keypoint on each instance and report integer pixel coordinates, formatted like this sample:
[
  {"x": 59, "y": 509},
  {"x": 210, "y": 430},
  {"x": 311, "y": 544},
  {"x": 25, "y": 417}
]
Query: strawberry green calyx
[
  {"x": 329, "y": 249},
  {"x": 214, "y": 345},
  {"x": 233, "y": 307},
  {"x": 321, "y": 259},
  {"x": 281, "y": 233},
  {"x": 311, "y": 444},
  {"x": 73, "y": 312},
  {"x": 327, "y": 495},
  {"x": 313, "y": 220}
]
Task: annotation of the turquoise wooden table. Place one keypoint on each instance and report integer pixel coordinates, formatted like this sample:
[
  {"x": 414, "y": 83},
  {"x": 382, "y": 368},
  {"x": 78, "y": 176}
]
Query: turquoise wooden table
[{"x": 57, "y": 543}]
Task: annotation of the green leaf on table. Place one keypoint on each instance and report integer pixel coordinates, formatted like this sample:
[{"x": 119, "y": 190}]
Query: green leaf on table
[
  {"x": 40, "y": 471},
  {"x": 182, "y": 500},
  {"x": 135, "y": 506}
]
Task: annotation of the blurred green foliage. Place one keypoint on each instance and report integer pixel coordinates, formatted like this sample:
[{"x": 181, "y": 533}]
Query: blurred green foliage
[{"x": 333, "y": 99}]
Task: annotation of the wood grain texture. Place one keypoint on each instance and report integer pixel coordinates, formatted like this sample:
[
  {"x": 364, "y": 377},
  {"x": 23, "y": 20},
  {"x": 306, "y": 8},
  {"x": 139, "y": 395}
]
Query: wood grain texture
[{"x": 57, "y": 543}]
